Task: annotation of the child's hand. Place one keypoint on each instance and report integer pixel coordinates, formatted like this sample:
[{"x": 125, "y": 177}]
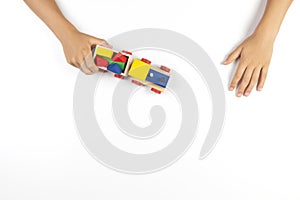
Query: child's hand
[
  {"x": 255, "y": 55},
  {"x": 77, "y": 49}
]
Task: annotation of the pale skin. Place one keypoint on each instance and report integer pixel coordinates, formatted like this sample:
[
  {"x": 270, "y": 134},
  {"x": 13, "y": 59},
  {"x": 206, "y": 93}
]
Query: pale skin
[
  {"x": 255, "y": 52},
  {"x": 76, "y": 45}
]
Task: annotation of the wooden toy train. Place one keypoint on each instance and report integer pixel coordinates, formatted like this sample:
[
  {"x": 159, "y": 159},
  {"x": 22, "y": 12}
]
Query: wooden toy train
[{"x": 140, "y": 71}]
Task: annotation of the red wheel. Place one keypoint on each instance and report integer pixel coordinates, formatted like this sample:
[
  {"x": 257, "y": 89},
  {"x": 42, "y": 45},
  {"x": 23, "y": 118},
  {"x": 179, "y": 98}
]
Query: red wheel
[
  {"x": 102, "y": 70},
  {"x": 166, "y": 69},
  {"x": 155, "y": 90},
  {"x": 119, "y": 76},
  {"x": 127, "y": 52},
  {"x": 146, "y": 61},
  {"x": 136, "y": 82}
]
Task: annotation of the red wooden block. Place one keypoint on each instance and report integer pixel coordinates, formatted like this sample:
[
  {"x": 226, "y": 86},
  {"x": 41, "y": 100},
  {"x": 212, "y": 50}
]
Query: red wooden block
[
  {"x": 119, "y": 58},
  {"x": 99, "y": 61}
]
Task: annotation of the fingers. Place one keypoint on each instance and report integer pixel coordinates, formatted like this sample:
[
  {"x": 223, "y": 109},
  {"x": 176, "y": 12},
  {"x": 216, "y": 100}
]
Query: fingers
[
  {"x": 254, "y": 55},
  {"x": 84, "y": 61},
  {"x": 89, "y": 63},
  {"x": 101, "y": 42},
  {"x": 74, "y": 62},
  {"x": 85, "y": 65},
  {"x": 244, "y": 82},
  {"x": 233, "y": 56},
  {"x": 245, "y": 79},
  {"x": 84, "y": 68},
  {"x": 262, "y": 78},
  {"x": 237, "y": 77},
  {"x": 88, "y": 66},
  {"x": 77, "y": 50},
  {"x": 254, "y": 80}
]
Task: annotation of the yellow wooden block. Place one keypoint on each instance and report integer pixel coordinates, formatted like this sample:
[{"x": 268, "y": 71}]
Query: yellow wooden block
[
  {"x": 104, "y": 52},
  {"x": 139, "y": 69}
]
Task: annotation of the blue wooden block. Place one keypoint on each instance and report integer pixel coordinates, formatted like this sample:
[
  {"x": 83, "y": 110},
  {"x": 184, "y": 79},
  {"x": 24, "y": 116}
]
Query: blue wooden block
[
  {"x": 157, "y": 78},
  {"x": 115, "y": 68}
]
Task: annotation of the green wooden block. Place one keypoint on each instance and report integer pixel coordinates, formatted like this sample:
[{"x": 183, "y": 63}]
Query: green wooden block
[{"x": 121, "y": 64}]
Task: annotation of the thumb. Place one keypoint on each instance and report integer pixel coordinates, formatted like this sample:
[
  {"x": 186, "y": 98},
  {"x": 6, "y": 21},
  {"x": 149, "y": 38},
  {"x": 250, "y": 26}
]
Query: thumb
[
  {"x": 101, "y": 42},
  {"x": 233, "y": 56}
]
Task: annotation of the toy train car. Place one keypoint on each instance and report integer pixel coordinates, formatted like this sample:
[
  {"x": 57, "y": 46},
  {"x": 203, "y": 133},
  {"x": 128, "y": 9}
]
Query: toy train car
[{"x": 140, "y": 71}]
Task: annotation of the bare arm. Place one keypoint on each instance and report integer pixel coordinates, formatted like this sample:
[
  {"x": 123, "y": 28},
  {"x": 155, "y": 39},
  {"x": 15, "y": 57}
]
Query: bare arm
[
  {"x": 255, "y": 52},
  {"x": 273, "y": 16},
  {"x": 76, "y": 45}
]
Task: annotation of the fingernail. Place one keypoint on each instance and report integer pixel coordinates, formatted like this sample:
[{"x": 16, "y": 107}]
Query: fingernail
[
  {"x": 224, "y": 62},
  {"x": 247, "y": 94},
  {"x": 231, "y": 88},
  {"x": 239, "y": 94},
  {"x": 259, "y": 89}
]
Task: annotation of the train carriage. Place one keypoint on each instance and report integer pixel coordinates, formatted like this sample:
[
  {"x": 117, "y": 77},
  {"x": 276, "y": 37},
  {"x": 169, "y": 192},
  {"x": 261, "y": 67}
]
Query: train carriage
[{"x": 140, "y": 71}]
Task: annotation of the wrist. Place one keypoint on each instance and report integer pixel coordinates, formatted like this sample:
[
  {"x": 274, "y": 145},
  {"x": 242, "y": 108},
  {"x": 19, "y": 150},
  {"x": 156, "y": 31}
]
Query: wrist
[
  {"x": 265, "y": 34},
  {"x": 65, "y": 31}
]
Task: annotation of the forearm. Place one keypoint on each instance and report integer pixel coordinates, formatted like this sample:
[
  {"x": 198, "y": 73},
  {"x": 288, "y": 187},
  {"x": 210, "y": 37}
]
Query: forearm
[
  {"x": 50, "y": 14},
  {"x": 272, "y": 18}
]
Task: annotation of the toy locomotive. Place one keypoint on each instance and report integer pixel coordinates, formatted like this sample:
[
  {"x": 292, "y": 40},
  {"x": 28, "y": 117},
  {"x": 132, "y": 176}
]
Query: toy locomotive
[{"x": 123, "y": 64}]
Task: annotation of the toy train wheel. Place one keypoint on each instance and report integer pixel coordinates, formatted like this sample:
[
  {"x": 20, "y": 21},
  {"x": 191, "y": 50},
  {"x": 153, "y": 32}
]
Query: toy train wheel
[
  {"x": 136, "y": 82},
  {"x": 119, "y": 76},
  {"x": 166, "y": 69},
  {"x": 146, "y": 61},
  {"x": 127, "y": 52},
  {"x": 155, "y": 90}
]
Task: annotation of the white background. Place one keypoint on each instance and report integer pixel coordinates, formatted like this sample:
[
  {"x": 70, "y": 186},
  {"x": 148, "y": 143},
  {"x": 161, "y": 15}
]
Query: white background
[{"x": 41, "y": 156}]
